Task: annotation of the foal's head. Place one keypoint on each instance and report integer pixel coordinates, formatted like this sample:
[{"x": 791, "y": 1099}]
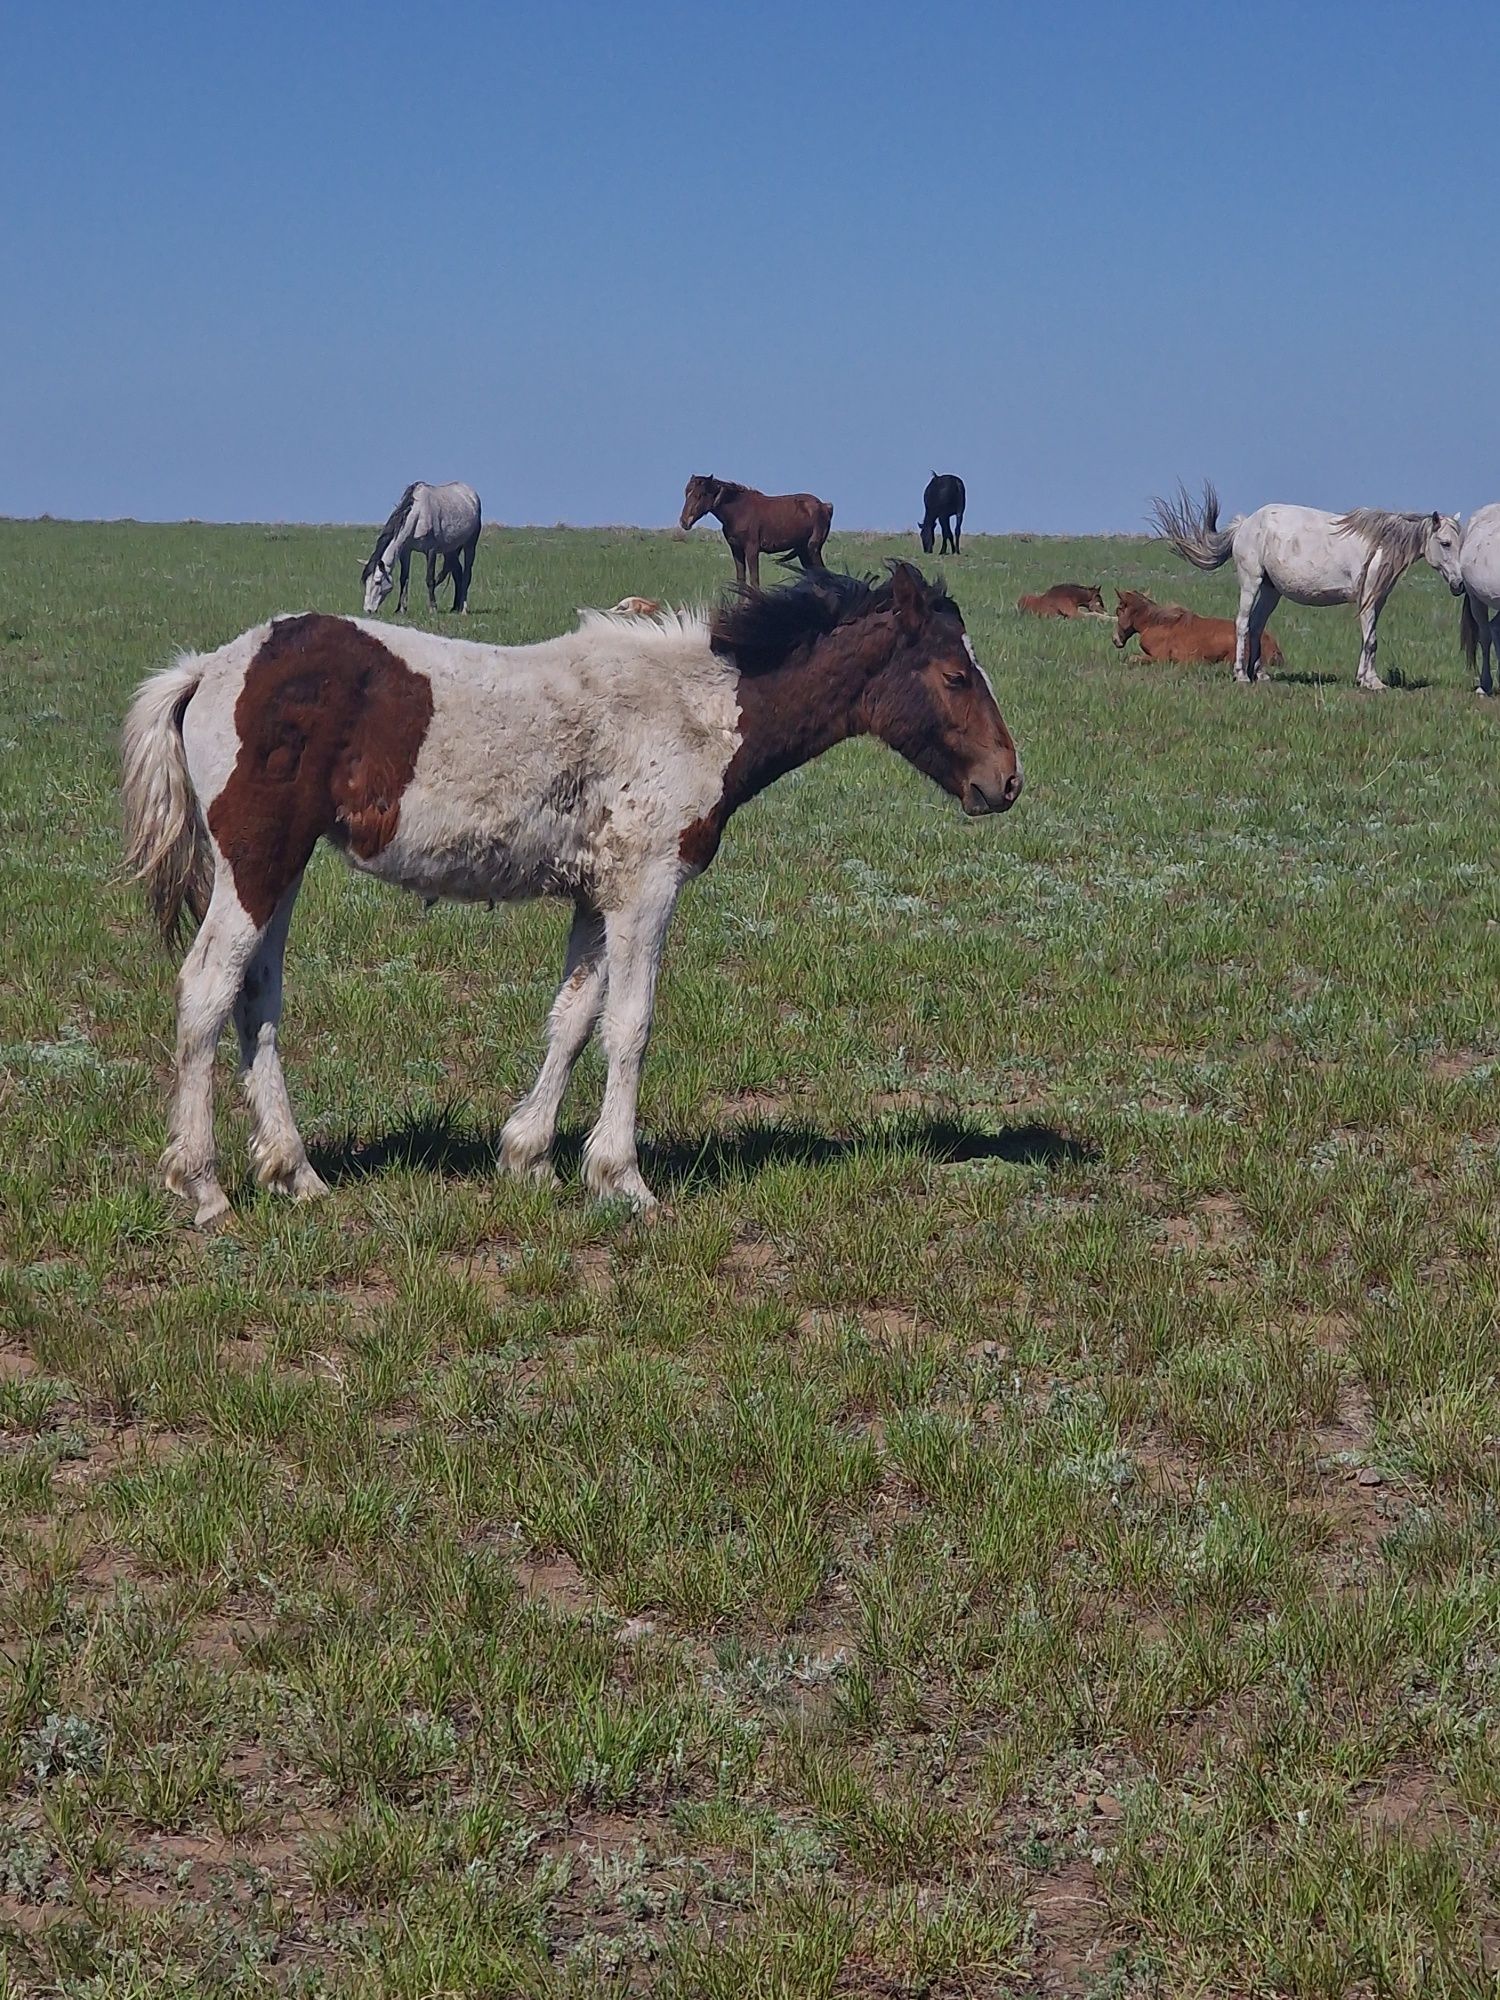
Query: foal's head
[
  {"x": 700, "y": 498},
  {"x": 1127, "y": 614},
  {"x": 932, "y": 701}
]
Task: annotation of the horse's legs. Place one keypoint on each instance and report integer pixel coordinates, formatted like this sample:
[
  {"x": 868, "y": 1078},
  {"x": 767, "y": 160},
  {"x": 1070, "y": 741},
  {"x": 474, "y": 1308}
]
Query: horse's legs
[
  {"x": 1266, "y": 600},
  {"x": 276, "y": 1148},
  {"x": 958, "y": 532},
  {"x": 633, "y": 944},
  {"x": 527, "y": 1138},
  {"x": 432, "y": 579},
  {"x": 464, "y": 575},
  {"x": 405, "y": 578},
  {"x": 1250, "y": 587},
  {"x": 1369, "y": 617},
  {"x": 737, "y": 550},
  {"x": 752, "y": 564},
  {"x": 1484, "y": 632},
  {"x": 207, "y": 988}
]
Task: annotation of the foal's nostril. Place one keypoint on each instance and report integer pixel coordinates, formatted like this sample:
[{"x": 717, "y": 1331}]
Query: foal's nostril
[{"x": 1013, "y": 786}]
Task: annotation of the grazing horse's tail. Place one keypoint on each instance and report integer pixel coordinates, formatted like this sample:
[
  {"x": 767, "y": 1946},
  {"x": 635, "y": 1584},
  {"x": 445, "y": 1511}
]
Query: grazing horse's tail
[
  {"x": 1194, "y": 533},
  {"x": 1468, "y": 632},
  {"x": 166, "y": 846}
]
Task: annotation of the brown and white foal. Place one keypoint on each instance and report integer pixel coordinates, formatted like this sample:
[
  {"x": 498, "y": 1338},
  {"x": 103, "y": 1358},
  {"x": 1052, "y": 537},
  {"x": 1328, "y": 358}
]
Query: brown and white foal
[{"x": 601, "y": 765}]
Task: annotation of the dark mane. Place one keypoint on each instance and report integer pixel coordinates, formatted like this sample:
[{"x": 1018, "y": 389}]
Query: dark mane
[
  {"x": 398, "y": 515},
  {"x": 761, "y": 629}
]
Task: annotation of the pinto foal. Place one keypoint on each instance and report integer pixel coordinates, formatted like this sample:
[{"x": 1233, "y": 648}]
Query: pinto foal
[{"x": 602, "y": 765}]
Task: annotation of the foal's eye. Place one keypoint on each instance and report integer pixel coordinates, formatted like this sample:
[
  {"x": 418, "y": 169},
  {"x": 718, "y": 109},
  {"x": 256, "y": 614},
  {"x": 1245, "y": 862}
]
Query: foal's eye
[{"x": 957, "y": 677}]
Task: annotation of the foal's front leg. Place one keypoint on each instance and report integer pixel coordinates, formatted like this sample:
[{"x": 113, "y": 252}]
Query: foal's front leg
[
  {"x": 633, "y": 942},
  {"x": 529, "y": 1131}
]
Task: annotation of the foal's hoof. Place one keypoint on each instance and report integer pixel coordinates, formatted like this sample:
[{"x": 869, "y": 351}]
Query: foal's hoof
[
  {"x": 210, "y": 1203},
  {"x": 622, "y": 1184},
  {"x": 523, "y": 1162},
  {"x": 293, "y": 1178}
]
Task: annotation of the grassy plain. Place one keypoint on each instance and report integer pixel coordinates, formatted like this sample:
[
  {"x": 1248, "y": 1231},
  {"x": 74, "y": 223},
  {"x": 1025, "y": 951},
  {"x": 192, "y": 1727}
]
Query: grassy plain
[{"x": 1024, "y": 1520}]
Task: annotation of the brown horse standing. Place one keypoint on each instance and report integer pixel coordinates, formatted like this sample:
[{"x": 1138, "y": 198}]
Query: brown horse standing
[
  {"x": 776, "y": 524},
  {"x": 1172, "y": 632},
  {"x": 1065, "y": 600}
]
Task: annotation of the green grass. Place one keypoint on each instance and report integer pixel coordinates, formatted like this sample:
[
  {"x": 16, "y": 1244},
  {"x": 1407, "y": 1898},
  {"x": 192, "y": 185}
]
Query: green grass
[{"x": 1024, "y": 1519}]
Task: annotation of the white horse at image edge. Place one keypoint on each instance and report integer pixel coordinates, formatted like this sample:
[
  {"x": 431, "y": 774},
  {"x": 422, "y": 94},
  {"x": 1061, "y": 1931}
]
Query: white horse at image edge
[
  {"x": 1479, "y": 567},
  {"x": 1311, "y": 557}
]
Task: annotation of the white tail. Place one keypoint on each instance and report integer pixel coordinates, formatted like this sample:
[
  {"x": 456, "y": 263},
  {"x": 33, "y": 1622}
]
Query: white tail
[
  {"x": 166, "y": 846},
  {"x": 1195, "y": 532}
]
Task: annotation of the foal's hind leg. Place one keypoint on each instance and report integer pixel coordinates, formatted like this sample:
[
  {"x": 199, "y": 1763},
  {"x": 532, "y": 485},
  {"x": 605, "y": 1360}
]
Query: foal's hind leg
[
  {"x": 207, "y": 988},
  {"x": 527, "y": 1138},
  {"x": 276, "y": 1147}
]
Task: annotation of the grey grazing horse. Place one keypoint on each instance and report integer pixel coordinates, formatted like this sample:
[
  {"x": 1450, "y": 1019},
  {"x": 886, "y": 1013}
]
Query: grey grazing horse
[
  {"x": 1312, "y": 558},
  {"x": 1479, "y": 568},
  {"x": 436, "y": 521}
]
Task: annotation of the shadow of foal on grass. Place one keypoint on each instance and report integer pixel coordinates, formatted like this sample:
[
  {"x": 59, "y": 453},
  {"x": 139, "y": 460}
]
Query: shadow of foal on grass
[{"x": 441, "y": 1143}]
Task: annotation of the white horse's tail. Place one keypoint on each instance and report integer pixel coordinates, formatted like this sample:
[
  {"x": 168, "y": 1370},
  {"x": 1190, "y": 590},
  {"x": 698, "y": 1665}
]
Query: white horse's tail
[
  {"x": 1195, "y": 532},
  {"x": 1468, "y": 631},
  {"x": 166, "y": 846}
]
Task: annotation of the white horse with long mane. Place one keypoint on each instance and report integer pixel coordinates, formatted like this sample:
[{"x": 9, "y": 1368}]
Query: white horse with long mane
[
  {"x": 1311, "y": 557},
  {"x": 1479, "y": 569},
  {"x": 435, "y": 521},
  {"x": 601, "y": 765}
]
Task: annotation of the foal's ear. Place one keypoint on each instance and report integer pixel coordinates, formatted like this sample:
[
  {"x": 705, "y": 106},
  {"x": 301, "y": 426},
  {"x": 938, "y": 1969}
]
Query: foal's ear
[{"x": 908, "y": 596}]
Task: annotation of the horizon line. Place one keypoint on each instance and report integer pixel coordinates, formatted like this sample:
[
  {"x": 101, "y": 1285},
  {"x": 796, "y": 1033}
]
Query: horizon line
[{"x": 667, "y": 530}]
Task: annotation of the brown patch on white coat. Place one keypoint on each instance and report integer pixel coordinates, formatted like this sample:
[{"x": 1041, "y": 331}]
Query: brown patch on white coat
[{"x": 601, "y": 765}]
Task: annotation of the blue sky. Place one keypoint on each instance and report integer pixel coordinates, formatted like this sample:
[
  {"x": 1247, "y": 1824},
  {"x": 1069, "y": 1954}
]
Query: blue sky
[{"x": 273, "y": 262}]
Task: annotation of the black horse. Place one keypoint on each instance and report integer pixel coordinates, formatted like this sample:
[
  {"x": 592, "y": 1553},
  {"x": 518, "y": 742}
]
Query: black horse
[{"x": 943, "y": 501}]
